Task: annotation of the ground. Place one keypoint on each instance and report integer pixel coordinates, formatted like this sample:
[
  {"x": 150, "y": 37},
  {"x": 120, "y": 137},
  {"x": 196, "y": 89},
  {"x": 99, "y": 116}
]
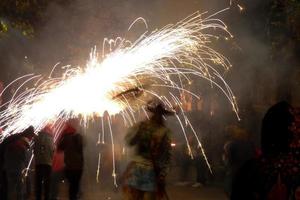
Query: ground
[{"x": 105, "y": 192}]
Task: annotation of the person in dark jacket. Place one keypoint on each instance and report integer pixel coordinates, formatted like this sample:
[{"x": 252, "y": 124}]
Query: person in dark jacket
[
  {"x": 16, "y": 157},
  {"x": 237, "y": 151},
  {"x": 43, "y": 149},
  {"x": 72, "y": 145},
  {"x": 271, "y": 176},
  {"x": 3, "y": 181},
  {"x": 57, "y": 175}
]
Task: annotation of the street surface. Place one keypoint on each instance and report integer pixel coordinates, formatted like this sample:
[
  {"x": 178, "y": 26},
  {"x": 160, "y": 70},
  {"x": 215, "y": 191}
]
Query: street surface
[{"x": 107, "y": 192}]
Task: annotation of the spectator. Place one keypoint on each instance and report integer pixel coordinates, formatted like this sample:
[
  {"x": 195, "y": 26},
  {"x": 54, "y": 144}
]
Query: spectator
[
  {"x": 199, "y": 163},
  {"x": 72, "y": 146},
  {"x": 184, "y": 162},
  {"x": 237, "y": 151},
  {"x": 57, "y": 175},
  {"x": 191, "y": 156},
  {"x": 3, "y": 181},
  {"x": 273, "y": 175},
  {"x": 43, "y": 153},
  {"x": 15, "y": 160}
]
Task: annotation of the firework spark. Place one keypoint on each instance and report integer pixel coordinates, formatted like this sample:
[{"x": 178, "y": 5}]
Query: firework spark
[{"x": 123, "y": 79}]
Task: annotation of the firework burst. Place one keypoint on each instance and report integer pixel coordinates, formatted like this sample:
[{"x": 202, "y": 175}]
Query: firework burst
[{"x": 125, "y": 78}]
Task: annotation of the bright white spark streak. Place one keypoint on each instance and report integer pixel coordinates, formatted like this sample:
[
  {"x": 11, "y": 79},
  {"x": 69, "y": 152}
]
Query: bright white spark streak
[
  {"x": 175, "y": 52},
  {"x": 28, "y": 166},
  {"x": 114, "y": 175},
  {"x": 98, "y": 167}
]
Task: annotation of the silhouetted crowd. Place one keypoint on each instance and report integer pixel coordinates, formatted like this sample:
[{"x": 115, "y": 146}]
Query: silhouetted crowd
[
  {"x": 53, "y": 161},
  {"x": 270, "y": 172}
]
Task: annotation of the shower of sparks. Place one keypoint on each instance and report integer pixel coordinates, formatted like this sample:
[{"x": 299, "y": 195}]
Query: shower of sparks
[{"x": 159, "y": 64}]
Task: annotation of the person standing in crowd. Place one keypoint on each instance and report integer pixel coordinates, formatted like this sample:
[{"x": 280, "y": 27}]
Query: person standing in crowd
[
  {"x": 184, "y": 161},
  {"x": 57, "y": 175},
  {"x": 43, "y": 149},
  {"x": 145, "y": 175},
  {"x": 199, "y": 163},
  {"x": 275, "y": 172},
  {"x": 237, "y": 151},
  {"x": 72, "y": 145},
  {"x": 16, "y": 157},
  {"x": 3, "y": 181},
  {"x": 191, "y": 156}
]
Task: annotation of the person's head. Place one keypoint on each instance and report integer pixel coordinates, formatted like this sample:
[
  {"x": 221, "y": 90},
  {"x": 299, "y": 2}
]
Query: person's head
[
  {"x": 28, "y": 132},
  {"x": 48, "y": 129},
  {"x": 158, "y": 111},
  {"x": 69, "y": 129},
  {"x": 275, "y": 131}
]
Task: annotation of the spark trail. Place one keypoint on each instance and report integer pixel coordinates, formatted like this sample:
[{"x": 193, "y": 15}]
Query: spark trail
[{"x": 125, "y": 78}]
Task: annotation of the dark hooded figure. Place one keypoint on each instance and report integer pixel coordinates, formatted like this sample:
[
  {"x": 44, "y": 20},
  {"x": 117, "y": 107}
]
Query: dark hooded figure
[
  {"x": 145, "y": 175},
  {"x": 15, "y": 159},
  {"x": 270, "y": 176},
  {"x": 72, "y": 145},
  {"x": 275, "y": 132}
]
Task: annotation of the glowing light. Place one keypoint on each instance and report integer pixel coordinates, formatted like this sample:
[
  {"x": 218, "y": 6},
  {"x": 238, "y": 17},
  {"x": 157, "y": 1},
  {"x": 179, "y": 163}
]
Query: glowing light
[
  {"x": 240, "y": 7},
  {"x": 125, "y": 78},
  {"x": 179, "y": 50}
]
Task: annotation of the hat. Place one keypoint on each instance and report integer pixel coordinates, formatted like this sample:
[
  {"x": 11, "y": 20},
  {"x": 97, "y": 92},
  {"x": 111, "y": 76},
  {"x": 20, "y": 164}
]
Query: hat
[{"x": 158, "y": 108}]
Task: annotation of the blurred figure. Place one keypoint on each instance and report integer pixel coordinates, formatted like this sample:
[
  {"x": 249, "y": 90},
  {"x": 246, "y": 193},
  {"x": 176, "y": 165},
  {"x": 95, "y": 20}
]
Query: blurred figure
[
  {"x": 43, "y": 149},
  {"x": 191, "y": 157},
  {"x": 57, "y": 175},
  {"x": 145, "y": 175},
  {"x": 184, "y": 162},
  {"x": 199, "y": 163},
  {"x": 72, "y": 145},
  {"x": 237, "y": 151},
  {"x": 273, "y": 175},
  {"x": 16, "y": 157},
  {"x": 3, "y": 181}
]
